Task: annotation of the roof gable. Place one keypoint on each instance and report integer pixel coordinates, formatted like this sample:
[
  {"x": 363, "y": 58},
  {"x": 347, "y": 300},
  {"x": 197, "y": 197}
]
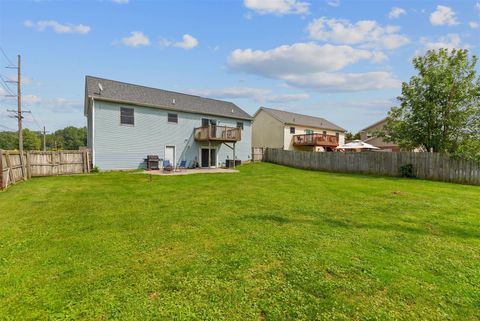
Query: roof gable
[
  {"x": 301, "y": 120},
  {"x": 159, "y": 98}
]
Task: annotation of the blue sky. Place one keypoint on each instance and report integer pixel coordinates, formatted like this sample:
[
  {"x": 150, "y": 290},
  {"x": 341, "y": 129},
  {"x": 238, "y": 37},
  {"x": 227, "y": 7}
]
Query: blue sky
[{"x": 342, "y": 60}]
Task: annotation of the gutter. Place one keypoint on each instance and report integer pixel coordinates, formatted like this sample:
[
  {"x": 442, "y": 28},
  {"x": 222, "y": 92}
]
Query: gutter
[{"x": 164, "y": 107}]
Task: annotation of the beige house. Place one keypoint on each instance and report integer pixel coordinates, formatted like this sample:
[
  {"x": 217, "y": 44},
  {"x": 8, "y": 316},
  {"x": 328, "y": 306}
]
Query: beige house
[
  {"x": 368, "y": 136},
  {"x": 291, "y": 131}
]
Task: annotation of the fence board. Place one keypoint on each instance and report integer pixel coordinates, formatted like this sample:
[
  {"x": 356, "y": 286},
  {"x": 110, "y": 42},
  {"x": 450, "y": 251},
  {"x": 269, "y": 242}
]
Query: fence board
[
  {"x": 39, "y": 163},
  {"x": 431, "y": 166}
]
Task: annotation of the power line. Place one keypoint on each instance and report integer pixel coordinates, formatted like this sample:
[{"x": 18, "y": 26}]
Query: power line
[
  {"x": 5, "y": 84},
  {"x": 35, "y": 121},
  {"x": 6, "y": 57}
]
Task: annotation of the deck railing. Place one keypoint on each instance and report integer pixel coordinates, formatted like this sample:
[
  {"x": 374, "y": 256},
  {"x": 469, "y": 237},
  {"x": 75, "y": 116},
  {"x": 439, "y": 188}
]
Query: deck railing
[
  {"x": 217, "y": 133},
  {"x": 315, "y": 140}
]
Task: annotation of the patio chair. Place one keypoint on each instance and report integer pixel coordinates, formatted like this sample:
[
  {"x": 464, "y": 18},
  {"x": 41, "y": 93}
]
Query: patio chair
[
  {"x": 167, "y": 167},
  {"x": 182, "y": 165}
]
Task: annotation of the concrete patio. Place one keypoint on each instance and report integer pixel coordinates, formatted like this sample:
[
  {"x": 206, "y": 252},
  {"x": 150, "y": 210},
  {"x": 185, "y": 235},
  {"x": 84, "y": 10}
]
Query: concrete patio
[{"x": 190, "y": 171}]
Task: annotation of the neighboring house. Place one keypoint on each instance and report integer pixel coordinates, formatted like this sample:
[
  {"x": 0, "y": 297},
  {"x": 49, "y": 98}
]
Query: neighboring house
[
  {"x": 281, "y": 129},
  {"x": 368, "y": 136},
  {"x": 127, "y": 122}
]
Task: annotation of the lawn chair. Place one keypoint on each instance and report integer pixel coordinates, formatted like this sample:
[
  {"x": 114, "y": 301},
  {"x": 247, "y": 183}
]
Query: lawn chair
[
  {"x": 167, "y": 167},
  {"x": 182, "y": 165}
]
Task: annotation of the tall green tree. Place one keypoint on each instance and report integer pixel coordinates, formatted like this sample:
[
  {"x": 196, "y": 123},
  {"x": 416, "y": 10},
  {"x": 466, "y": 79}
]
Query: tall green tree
[
  {"x": 68, "y": 138},
  {"x": 31, "y": 140},
  {"x": 440, "y": 106}
]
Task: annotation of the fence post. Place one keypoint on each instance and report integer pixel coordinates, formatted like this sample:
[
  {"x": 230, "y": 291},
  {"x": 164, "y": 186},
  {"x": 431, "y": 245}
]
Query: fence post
[{"x": 28, "y": 167}]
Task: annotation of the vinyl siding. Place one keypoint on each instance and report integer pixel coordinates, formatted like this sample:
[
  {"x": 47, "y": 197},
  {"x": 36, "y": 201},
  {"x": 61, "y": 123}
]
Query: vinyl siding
[
  {"x": 267, "y": 131},
  {"x": 119, "y": 146}
]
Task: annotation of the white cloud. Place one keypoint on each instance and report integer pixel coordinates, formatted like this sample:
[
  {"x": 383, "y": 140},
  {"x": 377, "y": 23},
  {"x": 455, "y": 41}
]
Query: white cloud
[
  {"x": 277, "y": 7},
  {"x": 57, "y": 27},
  {"x": 120, "y": 1},
  {"x": 477, "y": 6},
  {"x": 396, "y": 13},
  {"x": 333, "y": 3},
  {"x": 367, "y": 33},
  {"x": 312, "y": 66},
  {"x": 443, "y": 16},
  {"x": 256, "y": 94},
  {"x": 136, "y": 39},
  {"x": 30, "y": 99},
  {"x": 473, "y": 24},
  {"x": 188, "y": 42},
  {"x": 343, "y": 82},
  {"x": 450, "y": 41},
  {"x": 296, "y": 58}
]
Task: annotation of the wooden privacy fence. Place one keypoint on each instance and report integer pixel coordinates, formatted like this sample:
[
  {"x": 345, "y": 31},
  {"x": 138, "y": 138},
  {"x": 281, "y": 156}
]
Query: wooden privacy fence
[
  {"x": 14, "y": 168},
  {"x": 431, "y": 166},
  {"x": 257, "y": 154}
]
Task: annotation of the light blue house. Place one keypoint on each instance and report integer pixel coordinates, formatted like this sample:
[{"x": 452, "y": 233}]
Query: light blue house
[{"x": 127, "y": 122}]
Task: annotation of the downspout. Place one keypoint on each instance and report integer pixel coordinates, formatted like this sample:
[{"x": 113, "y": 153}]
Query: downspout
[{"x": 93, "y": 131}]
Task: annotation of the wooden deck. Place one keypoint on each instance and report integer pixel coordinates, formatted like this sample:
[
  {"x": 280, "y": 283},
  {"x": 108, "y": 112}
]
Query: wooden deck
[
  {"x": 217, "y": 133},
  {"x": 315, "y": 140}
]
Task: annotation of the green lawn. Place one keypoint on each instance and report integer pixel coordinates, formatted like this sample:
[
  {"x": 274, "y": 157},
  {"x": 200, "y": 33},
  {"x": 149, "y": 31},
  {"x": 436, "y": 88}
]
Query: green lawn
[{"x": 269, "y": 242}]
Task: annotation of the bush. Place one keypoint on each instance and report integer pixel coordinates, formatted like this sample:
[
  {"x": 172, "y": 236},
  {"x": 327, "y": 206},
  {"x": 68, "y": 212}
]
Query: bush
[
  {"x": 95, "y": 169},
  {"x": 407, "y": 171}
]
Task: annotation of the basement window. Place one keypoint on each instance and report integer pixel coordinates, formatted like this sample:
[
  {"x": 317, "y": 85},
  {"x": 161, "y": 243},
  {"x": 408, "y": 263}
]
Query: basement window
[
  {"x": 173, "y": 118},
  {"x": 127, "y": 116}
]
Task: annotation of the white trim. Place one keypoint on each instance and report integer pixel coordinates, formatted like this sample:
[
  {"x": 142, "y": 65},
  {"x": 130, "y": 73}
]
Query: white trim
[
  {"x": 174, "y": 154},
  {"x": 200, "y": 155},
  {"x": 93, "y": 131}
]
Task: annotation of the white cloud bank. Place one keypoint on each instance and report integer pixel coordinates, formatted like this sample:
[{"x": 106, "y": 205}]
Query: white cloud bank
[
  {"x": 120, "y": 1},
  {"x": 57, "y": 27},
  {"x": 256, "y": 94},
  {"x": 136, "y": 39},
  {"x": 367, "y": 33},
  {"x": 277, "y": 7},
  {"x": 443, "y": 16},
  {"x": 333, "y": 3},
  {"x": 396, "y": 12},
  {"x": 313, "y": 66}
]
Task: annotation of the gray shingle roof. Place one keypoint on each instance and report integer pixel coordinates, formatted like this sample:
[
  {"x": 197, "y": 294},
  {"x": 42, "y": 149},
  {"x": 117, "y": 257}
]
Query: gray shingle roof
[
  {"x": 159, "y": 98},
  {"x": 301, "y": 120}
]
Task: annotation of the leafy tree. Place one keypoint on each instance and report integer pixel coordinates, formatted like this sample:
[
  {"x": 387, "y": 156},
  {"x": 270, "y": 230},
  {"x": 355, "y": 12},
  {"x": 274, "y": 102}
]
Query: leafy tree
[
  {"x": 8, "y": 140},
  {"x": 350, "y": 136},
  {"x": 440, "y": 106},
  {"x": 69, "y": 138},
  {"x": 31, "y": 140}
]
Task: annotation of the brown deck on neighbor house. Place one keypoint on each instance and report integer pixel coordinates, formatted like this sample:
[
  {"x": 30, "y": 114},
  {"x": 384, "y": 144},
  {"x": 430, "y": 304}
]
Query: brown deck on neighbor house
[
  {"x": 315, "y": 140},
  {"x": 217, "y": 133}
]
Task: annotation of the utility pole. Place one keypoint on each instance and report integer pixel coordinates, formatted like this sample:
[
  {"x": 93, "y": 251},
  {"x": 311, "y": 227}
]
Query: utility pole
[{"x": 19, "y": 108}]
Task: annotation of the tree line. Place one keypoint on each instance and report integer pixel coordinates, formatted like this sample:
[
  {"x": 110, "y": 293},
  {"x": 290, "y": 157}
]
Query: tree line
[{"x": 68, "y": 138}]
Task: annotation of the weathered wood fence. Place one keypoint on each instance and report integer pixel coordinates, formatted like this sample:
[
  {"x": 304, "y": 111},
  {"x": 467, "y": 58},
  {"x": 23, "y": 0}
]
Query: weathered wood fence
[
  {"x": 14, "y": 168},
  {"x": 257, "y": 154},
  {"x": 431, "y": 166}
]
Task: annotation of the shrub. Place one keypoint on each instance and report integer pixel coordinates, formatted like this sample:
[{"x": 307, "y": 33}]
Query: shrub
[
  {"x": 407, "y": 171},
  {"x": 95, "y": 169}
]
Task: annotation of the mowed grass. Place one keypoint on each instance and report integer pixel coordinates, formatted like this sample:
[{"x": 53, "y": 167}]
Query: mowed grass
[{"x": 269, "y": 242}]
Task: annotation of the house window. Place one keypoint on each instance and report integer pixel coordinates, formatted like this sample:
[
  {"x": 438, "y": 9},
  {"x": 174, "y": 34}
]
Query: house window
[
  {"x": 126, "y": 116},
  {"x": 292, "y": 130},
  {"x": 207, "y": 121},
  {"x": 240, "y": 125},
  {"x": 338, "y": 136},
  {"x": 172, "y": 118},
  {"x": 324, "y": 133},
  {"x": 308, "y": 131}
]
